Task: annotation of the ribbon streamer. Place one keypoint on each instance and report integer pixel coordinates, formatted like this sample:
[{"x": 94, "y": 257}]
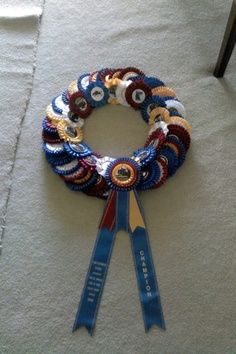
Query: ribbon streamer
[{"x": 122, "y": 212}]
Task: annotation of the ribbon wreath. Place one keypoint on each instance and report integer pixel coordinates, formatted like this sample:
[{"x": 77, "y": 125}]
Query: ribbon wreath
[{"x": 117, "y": 179}]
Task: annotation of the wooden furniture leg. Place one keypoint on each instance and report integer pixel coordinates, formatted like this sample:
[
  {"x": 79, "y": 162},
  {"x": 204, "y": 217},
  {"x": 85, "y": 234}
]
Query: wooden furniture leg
[{"x": 228, "y": 43}]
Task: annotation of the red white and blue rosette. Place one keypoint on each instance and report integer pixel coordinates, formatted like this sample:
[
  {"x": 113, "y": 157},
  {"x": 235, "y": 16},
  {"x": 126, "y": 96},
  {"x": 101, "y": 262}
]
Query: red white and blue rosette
[{"x": 117, "y": 179}]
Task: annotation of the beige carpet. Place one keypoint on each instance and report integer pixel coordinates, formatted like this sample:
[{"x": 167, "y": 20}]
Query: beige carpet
[
  {"x": 19, "y": 32},
  {"x": 49, "y": 231}
]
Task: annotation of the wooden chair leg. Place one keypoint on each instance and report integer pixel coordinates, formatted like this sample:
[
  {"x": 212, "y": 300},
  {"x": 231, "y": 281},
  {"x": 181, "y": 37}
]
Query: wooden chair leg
[{"x": 228, "y": 43}]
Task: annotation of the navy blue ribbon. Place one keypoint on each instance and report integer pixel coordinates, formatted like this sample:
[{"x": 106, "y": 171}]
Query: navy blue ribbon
[
  {"x": 96, "y": 276},
  {"x": 122, "y": 211},
  {"x": 145, "y": 271}
]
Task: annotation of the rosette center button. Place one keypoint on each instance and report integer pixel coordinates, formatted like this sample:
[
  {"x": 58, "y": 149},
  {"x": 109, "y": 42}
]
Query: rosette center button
[{"x": 123, "y": 173}]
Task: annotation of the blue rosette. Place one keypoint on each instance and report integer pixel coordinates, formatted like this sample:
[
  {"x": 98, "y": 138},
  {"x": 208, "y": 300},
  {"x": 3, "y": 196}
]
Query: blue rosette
[
  {"x": 172, "y": 159},
  {"x": 53, "y": 150},
  {"x": 48, "y": 128},
  {"x": 77, "y": 150},
  {"x": 64, "y": 97},
  {"x": 123, "y": 174},
  {"x": 182, "y": 151},
  {"x": 59, "y": 160},
  {"x": 80, "y": 85},
  {"x": 150, "y": 176},
  {"x": 55, "y": 107},
  {"x": 67, "y": 168},
  {"x": 174, "y": 113},
  {"x": 149, "y": 104},
  {"x": 153, "y": 81},
  {"x": 144, "y": 155},
  {"x": 97, "y": 94}
]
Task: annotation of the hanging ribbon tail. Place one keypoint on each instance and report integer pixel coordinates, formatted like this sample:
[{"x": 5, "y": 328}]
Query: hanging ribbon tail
[
  {"x": 122, "y": 211},
  {"x": 96, "y": 276},
  {"x": 145, "y": 271}
]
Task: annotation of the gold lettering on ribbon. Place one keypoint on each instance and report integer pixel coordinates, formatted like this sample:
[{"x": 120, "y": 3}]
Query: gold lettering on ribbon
[{"x": 135, "y": 216}]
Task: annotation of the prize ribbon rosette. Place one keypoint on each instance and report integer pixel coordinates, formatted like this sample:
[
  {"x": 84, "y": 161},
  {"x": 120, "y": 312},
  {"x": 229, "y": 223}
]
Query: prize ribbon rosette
[{"x": 117, "y": 180}]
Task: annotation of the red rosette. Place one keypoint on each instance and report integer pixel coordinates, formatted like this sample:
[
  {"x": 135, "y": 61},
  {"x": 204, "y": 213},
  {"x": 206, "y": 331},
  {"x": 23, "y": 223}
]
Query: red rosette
[
  {"x": 89, "y": 162},
  {"x": 99, "y": 188},
  {"x": 156, "y": 138},
  {"x": 50, "y": 125},
  {"x": 174, "y": 146},
  {"x": 79, "y": 105},
  {"x": 116, "y": 73},
  {"x": 47, "y": 138},
  {"x": 127, "y": 70},
  {"x": 96, "y": 154},
  {"x": 91, "y": 193},
  {"x": 93, "y": 76},
  {"x": 164, "y": 172},
  {"x": 136, "y": 93},
  {"x": 80, "y": 173},
  {"x": 181, "y": 133},
  {"x": 104, "y": 73},
  {"x": 85, "y": 178}
]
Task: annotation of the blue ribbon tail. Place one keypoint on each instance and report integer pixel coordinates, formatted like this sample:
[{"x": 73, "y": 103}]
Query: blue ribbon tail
[
  {"x": 145, "y": 271},
  {"x": 96, "y": 276},
  {"x": 123, "y": 211}
]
